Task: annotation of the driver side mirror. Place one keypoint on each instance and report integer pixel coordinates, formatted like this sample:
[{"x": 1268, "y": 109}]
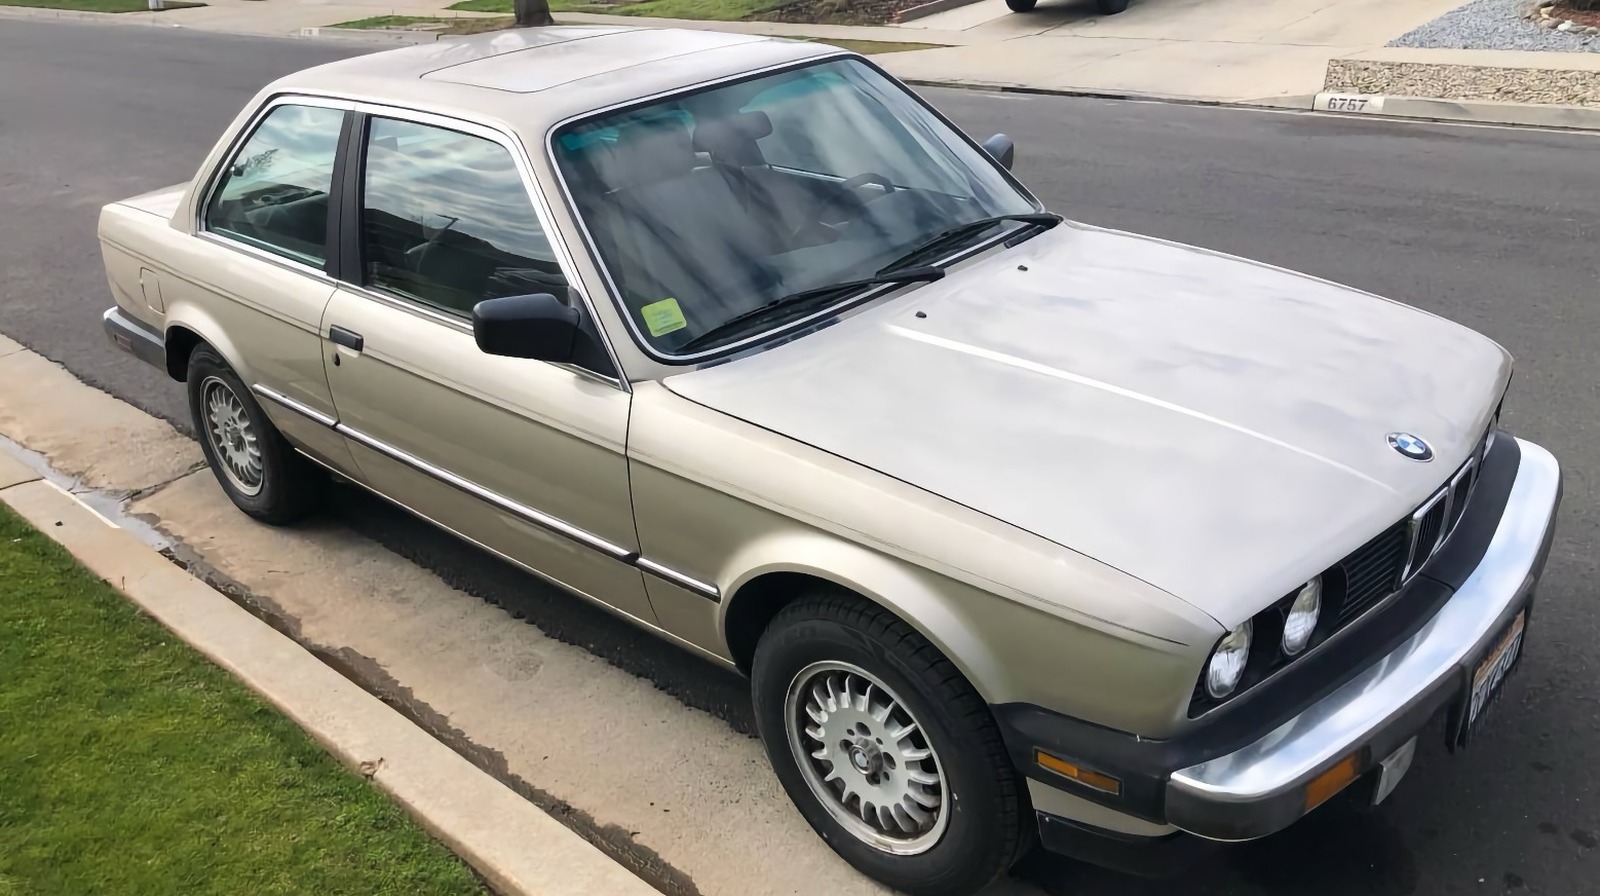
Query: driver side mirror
[
  {"x": 1003, "y": 150},
  {"x": 538, "y": 326}
]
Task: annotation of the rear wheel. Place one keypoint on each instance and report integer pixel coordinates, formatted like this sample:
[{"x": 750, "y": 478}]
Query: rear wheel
[
  {"x": 1022, "y": 5},
  {"x": 1110, "y": 7},
  {"x": 885, "y": 748},
  {"x": 261, "y": 473}
]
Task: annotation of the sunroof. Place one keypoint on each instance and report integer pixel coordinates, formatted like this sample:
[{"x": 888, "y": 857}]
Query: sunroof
[{"x": 543, "y": 66}]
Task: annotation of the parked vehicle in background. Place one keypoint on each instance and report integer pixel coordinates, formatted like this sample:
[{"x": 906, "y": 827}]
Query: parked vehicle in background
[
  {"x": 1106, "y": 7},
  {"x": 1022, "y": 529}
]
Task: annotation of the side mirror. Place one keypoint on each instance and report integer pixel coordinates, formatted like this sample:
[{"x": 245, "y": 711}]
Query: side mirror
[
  {"x": 538, "y": 326},
  {"x": 1003, "y": 150}
]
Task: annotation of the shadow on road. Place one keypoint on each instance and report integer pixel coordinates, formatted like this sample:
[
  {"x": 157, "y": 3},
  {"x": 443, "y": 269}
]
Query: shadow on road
[
  {"x": 1338, "y": 851},
  {"x": 564, "y": 617}
]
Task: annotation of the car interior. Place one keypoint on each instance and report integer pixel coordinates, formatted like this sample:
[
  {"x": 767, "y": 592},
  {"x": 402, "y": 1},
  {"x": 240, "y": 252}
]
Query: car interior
[
  {"x": 448, "y": 221},
  {"x": 688, "y": 207}
]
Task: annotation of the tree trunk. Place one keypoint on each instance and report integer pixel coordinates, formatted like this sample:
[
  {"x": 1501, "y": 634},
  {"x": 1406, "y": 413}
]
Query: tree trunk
[{"x": 531, "y": 13}]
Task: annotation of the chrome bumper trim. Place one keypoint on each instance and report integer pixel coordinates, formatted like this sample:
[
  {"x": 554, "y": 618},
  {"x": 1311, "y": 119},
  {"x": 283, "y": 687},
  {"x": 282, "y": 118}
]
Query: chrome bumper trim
[
  {"x": 134, "y": 338},
  {"x": 1259, "y": 789}
]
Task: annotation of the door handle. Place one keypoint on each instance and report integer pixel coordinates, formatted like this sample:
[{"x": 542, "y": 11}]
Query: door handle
[{"x": 347, "y": 338}]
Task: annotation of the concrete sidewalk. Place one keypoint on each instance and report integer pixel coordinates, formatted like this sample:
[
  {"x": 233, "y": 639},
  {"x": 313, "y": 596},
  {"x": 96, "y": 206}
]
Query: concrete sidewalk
[{"x": 1274, "y": 52}]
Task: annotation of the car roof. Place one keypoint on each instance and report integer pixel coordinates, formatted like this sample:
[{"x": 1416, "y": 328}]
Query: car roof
[{"x": 533, "y": 78}]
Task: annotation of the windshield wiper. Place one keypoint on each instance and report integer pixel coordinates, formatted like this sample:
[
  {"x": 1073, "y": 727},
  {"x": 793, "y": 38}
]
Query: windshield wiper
[
  {"x": 944, "y": 238},
  {"x": 794, "y": 300}
]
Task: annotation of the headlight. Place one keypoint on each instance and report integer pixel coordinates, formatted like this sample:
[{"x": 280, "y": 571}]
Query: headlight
[
  {"x": 1228, "y": 661},
  {"x": 1301, "y": 619}
]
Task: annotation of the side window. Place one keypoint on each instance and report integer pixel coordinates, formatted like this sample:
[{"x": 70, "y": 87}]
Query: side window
[
  {"x": 274, "y": 194},
  {"x": 446, "y": 220}
]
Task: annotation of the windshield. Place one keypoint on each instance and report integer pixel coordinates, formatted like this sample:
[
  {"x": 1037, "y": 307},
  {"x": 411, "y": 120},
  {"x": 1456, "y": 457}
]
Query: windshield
[{"x": 705, "y": 207}]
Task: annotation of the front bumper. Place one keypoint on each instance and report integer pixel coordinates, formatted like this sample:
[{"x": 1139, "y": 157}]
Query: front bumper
[
  {"x": 1261, "y": 788},
  {"x": 1243, "y": 784}
]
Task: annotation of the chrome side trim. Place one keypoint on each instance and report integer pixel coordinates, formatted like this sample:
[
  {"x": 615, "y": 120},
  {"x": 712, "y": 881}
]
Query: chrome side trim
[
  {"x": 613, "y": 610},
  {"x": 1258, "y": 789},
  {"x": 538, "y": 518},
  {"x": 677, "y": 578},
  {"x": 279, "y": 398},
  {"x": 542, "y": 520}
]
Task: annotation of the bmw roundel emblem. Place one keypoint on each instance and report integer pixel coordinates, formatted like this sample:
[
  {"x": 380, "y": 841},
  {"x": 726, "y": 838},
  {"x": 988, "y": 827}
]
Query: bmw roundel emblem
[{"x": 1410, "y": 446}]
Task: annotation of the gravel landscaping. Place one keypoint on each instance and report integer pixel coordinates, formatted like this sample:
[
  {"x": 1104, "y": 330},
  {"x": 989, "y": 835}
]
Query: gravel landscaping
[{"x": 1496, "y": 25}]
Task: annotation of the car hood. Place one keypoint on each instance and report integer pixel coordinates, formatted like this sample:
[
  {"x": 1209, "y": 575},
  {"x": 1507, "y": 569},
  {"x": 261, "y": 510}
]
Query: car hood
[{"x": 1213, "y": 426}]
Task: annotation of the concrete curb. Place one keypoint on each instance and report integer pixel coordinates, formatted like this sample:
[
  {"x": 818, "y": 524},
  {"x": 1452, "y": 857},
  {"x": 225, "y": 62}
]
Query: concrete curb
[
  {"x": 373, "y": 35},
  {"x": 73, "y": 15},
  {"x": 1479, "y": 111},
  {"x": 1296, "y": 102},
  {"x": 928, "y": 9},
  {"x": 517, "y": 848}
]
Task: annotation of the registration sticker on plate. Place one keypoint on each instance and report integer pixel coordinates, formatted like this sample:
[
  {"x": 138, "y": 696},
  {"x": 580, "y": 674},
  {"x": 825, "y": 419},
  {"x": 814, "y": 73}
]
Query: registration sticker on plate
[{"x": 1491, "y": 671}]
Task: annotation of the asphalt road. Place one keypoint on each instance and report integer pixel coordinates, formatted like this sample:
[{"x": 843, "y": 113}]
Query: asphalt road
[{"x": 1496, "y": 228}]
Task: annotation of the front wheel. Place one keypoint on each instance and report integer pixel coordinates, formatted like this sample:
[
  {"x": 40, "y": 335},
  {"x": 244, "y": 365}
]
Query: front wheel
[
  {"x": 1110, "y": 7},
  {"x": 885, "y": 748},
  {"x": 1022, "y": 5}
]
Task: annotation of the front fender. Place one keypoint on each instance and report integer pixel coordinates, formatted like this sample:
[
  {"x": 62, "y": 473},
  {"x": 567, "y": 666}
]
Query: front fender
[
  {"x": 934, "y": 606},
  {"x": 1011, "y": 651}
]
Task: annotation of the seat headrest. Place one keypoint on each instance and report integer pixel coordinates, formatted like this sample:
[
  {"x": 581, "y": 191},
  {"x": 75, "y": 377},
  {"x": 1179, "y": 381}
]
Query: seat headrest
[
  {"x": 731, "y": 140},
  {"x": 648, "y": 152}
]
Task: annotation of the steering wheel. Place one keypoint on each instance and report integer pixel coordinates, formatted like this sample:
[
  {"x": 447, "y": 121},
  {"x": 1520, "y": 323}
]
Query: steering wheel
[
  {"x": 837, "y": 193},
  {"x": 279, "y": 195}
]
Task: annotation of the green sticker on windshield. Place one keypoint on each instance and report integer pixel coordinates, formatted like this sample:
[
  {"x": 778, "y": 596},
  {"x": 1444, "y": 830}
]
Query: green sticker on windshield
[{"x": 663, "y": 317}]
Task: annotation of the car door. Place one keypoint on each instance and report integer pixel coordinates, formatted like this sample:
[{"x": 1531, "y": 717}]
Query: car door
[
  {"x": 263, "y": 225},
  {"x": 524, "y": 457}
]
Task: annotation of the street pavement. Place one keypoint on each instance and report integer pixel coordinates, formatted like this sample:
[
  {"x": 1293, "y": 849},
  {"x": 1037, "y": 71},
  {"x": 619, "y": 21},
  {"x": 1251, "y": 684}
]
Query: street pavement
[
  {"x": 1495, "y": 228},
  {"x": 1273, "y": 52}
]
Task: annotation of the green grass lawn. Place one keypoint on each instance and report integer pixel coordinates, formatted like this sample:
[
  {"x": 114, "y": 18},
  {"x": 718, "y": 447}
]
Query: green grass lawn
[
  {"x": 704, "y": 10},
  {"x": 95, "y": 6},
  {"x": 451, "y": 25},
  {"x": 130, "y": 765}
]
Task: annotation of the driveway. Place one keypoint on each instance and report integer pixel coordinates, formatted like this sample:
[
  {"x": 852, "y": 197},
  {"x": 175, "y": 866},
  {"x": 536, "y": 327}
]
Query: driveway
[{"x": 1253, "y": 51}]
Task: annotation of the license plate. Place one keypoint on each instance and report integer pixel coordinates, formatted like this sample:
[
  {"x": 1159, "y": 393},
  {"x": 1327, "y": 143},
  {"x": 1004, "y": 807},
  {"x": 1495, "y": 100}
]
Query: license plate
[{"x": 1490, "y": 672}]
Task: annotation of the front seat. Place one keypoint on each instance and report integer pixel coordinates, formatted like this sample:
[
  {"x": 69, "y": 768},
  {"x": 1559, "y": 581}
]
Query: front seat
[{"x": 680, "y": 228}]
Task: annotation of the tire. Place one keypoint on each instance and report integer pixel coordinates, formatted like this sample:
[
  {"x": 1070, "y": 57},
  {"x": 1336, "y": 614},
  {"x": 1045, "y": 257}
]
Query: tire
[
  {"x": 282, "y": 486},
  {"x": 812, "y": 651},
  {"x": 1022, "y": 5},
  {"x": 1111, "y": 7}
]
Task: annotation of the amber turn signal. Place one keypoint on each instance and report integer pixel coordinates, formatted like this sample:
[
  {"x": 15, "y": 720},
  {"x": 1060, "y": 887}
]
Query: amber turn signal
[
  {"x": 1093, "y": 779},
  {"x": 1330, "y": 782}
]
